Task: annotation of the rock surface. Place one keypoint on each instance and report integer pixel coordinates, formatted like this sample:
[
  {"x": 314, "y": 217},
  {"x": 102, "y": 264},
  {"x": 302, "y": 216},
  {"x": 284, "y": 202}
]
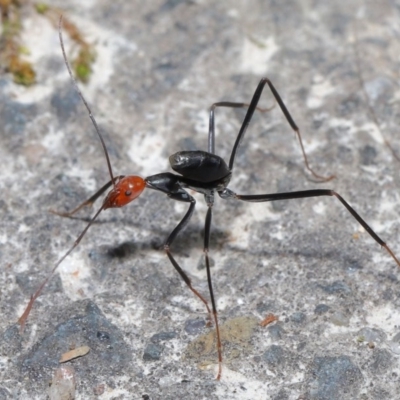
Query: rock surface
[{"x": 159, "y": 67}]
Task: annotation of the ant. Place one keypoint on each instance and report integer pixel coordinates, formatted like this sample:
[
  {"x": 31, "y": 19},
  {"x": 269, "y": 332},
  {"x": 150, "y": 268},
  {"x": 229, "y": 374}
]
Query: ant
[{"x": 205, "y": 173}]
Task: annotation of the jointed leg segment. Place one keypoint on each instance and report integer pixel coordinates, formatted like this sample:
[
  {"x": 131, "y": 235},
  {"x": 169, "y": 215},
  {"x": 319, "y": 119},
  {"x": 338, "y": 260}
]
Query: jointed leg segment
[
  {"x": 207, "y": 229},
  {"x": 179, "y": 228},
  {"x": 251, "y": 108},
  {"x": 227, "y": 193}
]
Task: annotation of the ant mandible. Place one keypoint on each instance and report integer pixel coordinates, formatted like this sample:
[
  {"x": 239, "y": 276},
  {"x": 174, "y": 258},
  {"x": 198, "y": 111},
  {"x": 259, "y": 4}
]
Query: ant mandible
[{"x": 201, "y": 171}]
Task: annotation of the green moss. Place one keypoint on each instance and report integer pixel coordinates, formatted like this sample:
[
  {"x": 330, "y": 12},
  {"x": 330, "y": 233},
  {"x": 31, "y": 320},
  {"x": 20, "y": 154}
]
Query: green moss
[{"x": 41, "y": 8}]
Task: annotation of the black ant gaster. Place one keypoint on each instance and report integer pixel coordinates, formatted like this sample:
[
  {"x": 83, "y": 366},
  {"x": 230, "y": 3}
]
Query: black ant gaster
[{"x": 206, "y": 173}]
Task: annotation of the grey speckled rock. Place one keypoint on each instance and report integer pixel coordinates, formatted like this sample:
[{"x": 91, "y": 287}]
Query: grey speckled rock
[
  {"x": 159, "y": 66},
  {"x": 335, "y": 378},
  {"x": 109, "y": 354}
]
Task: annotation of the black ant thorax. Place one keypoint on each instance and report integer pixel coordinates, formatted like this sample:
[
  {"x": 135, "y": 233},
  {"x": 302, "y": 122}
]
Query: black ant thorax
[{"x": 199, "y": 166}]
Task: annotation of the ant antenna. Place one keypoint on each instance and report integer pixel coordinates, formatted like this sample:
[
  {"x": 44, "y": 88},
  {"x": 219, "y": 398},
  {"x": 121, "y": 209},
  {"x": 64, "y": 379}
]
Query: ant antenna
[
  {"x": 22, "y": 319},
  {"x": 109, "y": 201},
  {"x": 83, "y": 99}
]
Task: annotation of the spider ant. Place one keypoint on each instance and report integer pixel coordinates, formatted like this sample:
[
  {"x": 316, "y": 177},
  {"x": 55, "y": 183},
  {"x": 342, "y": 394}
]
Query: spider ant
[{"x": 201, "y": 171}]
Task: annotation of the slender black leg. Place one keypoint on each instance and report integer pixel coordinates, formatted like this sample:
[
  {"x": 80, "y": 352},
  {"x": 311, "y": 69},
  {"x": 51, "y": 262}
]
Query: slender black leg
[
  {"x": 207, "y": 229},
  {"x": 179, "y": 228},
  {"x": 258, "y": 198},
  {"x": 249, "y": 115},
  {"x": 90, "y": 201},
  {"x": 229, "y": 104}
]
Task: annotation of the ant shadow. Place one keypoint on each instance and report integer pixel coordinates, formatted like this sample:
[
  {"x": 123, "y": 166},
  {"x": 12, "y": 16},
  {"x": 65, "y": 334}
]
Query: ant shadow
[
  {"x": 220, "y": 239},
  {"x": 192, "y": 238}
]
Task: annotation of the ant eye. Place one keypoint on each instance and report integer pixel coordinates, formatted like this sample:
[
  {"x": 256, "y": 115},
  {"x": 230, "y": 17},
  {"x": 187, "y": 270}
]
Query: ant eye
[{"x": 126, "y": 190}]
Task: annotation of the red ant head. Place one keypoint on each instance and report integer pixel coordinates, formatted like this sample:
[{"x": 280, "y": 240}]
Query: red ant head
[{"x": 125, "y": 190}]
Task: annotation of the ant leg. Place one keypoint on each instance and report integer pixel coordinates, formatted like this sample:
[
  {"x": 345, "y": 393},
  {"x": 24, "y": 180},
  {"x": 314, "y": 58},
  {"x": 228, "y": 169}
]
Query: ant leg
[
  {"x": 249, "y": 115},
  {"x": 211, "y": 129},
  {"x": 257, "y": 198},
  {"x": 214, "y": 308},
  {"x": 179, "y": 228},
  {"x": 89, "y": 202}
]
